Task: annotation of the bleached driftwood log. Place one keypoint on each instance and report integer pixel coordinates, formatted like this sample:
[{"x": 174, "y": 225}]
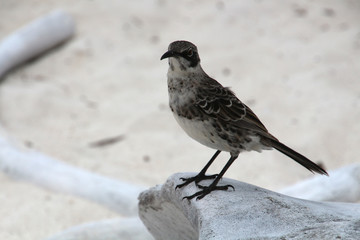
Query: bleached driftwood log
[
  {"x": 44, "y": 171},
  {"x": 249, "y": 212},
  {"x": 343, "y": 185},
  {"x": 35, "y": 38}
]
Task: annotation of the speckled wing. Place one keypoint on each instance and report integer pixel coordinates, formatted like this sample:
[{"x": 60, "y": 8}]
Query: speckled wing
[{"x": 221, "y": 103}]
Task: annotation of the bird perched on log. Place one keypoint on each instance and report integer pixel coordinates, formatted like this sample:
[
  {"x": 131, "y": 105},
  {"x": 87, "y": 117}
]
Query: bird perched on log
[{"x": 212, "y": 115}]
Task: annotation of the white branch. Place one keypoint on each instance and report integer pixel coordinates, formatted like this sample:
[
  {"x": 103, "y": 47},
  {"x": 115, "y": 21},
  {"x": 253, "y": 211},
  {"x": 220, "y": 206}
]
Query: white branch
[
  {"x": 35, "y": 38},
  {"x": 342, "y": 185},
  {"x": 42, "y": 170}
]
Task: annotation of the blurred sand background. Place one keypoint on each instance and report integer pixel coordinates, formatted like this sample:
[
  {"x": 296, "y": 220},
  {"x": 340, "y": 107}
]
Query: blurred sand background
[{"x": 295, "y": 63}]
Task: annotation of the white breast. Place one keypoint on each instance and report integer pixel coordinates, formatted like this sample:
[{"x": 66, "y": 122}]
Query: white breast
[{"x": 203, "y": 132}]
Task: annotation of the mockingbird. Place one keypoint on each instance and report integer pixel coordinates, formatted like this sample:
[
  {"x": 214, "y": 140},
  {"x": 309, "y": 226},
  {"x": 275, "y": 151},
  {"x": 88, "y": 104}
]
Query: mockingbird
[{"x": 212, "y": 115}]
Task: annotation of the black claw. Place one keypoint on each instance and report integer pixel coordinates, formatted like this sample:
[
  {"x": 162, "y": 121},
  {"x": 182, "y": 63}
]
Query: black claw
[
  {"x": 198, "y": 178},
  {"x": 200, "y": 197},
  {"x": 230, "y": 186},
  {"x": 189, "y": 197},
  {"x": 206, "y": 190},
  {"x": 180, "y": 185}
]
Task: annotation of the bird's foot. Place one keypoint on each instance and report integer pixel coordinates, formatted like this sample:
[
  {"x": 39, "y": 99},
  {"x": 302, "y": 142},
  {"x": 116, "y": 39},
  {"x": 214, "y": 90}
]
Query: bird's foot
[
  {"x": 198, "y": 178},
  {"x": 206, "y": 190}
]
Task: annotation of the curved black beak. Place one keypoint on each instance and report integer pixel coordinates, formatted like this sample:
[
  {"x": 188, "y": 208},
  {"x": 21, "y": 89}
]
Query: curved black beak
[{"x": 168, "y": 54}]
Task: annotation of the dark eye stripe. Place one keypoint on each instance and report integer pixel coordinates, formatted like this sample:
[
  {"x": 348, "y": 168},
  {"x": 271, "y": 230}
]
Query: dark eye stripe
[
  {"x": 190, "y": 52},
  {"x": 193, "y": 59}
]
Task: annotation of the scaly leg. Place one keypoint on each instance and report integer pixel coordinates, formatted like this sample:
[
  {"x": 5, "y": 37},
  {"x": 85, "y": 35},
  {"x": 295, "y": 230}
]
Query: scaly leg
[
  {"x": 213, "y": 186},
  {"x": 201, "y": 176}
]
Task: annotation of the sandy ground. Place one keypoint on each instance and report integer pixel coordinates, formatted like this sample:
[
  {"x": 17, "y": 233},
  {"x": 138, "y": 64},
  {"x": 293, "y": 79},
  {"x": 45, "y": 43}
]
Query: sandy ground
[{"x": 297, "y": 65}]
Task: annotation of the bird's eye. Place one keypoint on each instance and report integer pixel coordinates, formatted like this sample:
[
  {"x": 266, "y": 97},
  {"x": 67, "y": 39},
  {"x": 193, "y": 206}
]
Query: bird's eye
[{"x": 189, "y": 52}]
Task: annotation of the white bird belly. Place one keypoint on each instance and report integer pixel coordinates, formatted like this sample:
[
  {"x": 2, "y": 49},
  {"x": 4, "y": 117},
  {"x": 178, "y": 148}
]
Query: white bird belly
[{"x": 203, "y": 132}]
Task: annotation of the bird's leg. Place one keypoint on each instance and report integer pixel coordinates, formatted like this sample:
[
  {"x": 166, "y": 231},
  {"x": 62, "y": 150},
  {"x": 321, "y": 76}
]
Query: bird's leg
[
  {"x": 213, "y": 186},
  {"x": 201, "y": 176}
]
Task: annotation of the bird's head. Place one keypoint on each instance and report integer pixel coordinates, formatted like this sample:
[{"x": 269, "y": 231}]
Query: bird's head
[{"x": 183, "y": 56}]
